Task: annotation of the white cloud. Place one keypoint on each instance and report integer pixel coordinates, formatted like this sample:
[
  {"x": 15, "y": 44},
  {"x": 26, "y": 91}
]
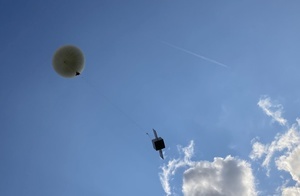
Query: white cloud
[
  {"x": 286, "y": 141},
  {"x": 282, "y": 143},
  {"x": 290, "y": 162},
  {"x": 291, "y": 191},
  {"x": 284, "y": 150},
  {"x": 258, "y": 150},
  {"x": 170, "y": 169},
  {"x": 272, "y": 110},
  {"x": 223, "y": 177}
]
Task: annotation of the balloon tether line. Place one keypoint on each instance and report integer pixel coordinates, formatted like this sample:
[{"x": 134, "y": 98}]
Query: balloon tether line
[{"x": 115, "y": 106}]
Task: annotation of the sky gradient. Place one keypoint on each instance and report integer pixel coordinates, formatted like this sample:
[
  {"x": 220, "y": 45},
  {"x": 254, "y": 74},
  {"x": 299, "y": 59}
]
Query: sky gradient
[{"x": 218, "y": 80}]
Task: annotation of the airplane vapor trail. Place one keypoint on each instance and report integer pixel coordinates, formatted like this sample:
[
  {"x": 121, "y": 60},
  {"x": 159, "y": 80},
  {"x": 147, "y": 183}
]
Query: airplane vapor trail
[{"x": 197, "y": 55}]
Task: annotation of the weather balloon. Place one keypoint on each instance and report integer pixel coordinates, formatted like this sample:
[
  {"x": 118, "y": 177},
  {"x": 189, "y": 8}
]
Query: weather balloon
[{"x": 68, "y": 61}]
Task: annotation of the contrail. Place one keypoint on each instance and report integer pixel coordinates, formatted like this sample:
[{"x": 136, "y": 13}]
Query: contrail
[{"x": 197, "y": 55}]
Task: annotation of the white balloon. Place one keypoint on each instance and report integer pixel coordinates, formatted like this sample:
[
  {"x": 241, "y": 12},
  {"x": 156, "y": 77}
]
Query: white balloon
[{"x": 68, "y": 61}]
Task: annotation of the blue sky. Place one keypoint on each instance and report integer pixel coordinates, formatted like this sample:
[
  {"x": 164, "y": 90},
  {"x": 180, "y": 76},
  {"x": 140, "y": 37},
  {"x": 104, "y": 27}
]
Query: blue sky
[{"x": 229, "y": 130}]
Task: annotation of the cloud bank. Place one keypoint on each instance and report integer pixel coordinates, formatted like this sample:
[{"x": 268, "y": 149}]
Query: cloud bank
[
  {"x": 231, "y": 176},
  {"x": 227, "y": 176}
]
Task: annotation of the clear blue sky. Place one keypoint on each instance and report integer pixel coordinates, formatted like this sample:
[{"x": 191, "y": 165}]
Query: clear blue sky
[{"x": 150, "y": 64}]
